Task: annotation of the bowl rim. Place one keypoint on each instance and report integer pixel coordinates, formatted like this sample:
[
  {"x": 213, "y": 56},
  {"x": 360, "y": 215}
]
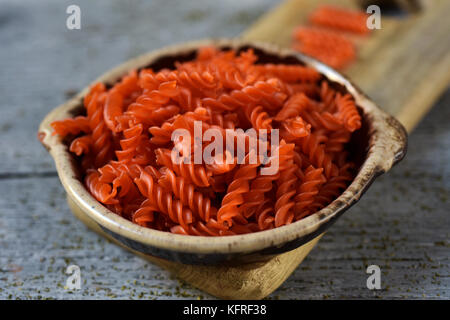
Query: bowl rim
[{"x": 388, "y": 143}]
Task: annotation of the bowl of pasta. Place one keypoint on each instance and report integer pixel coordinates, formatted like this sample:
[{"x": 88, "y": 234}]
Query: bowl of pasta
[{"x": 219, "y": 150}]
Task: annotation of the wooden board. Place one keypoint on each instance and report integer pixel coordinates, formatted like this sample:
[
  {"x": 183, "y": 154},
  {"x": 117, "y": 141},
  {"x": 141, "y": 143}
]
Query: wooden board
[{"x": 404, "y": 67}]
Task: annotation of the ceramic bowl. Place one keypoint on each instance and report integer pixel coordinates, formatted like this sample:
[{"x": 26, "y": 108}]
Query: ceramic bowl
[{"x": 376, "y": 147}]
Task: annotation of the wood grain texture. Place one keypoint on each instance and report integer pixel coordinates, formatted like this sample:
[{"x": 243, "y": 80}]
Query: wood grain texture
[{"x": 401, "y": 224}]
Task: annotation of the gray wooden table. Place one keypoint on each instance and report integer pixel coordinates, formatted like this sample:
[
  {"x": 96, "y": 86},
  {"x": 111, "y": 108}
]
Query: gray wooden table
[{"x": 401, "y": 224}]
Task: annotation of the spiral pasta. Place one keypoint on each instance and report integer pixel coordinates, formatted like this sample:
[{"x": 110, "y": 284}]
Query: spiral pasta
[
  {"x": 71, "y": 126},
  {"x": 186, "y": 192},
  {"x": 124, "y": 144},
  {"x": 286, "y": 186},
  {"x": 101, "y": 136},
  {"x": 327, "y": 46},
  {"x": 340, "y": 18},
  {"x": 163, "y": 200},
  {"x": 308, "y": 188},
  {"x": 235, "y": 191},
  {"x": 326, "y": 38},
  {"x": 347, "y": 112}
]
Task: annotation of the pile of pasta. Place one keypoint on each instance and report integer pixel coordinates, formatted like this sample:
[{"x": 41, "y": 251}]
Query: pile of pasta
[{"x": 123, "y": 143}]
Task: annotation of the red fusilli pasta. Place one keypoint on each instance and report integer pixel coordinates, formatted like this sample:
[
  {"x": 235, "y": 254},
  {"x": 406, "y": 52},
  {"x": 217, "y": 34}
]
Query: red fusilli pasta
[
  {"x": 326, "y": 40},
  {"x": 124, "y": 144}
]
